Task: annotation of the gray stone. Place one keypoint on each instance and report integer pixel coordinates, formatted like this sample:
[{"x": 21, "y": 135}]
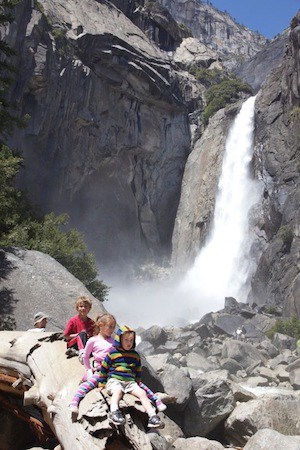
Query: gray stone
[
  {"x": 35, "y": 282},
  {"x": 177, "y": 384},
  {"x": 197, "y": 443},
  {"x": 264, "y": 412},
  {"x": 243, "y": 352},
  {"x": 266, "y": 439}
]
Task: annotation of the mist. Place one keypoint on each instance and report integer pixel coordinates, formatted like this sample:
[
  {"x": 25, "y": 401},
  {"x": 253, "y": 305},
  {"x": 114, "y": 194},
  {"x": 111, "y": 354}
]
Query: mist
[{"x": 223, "y": 267}]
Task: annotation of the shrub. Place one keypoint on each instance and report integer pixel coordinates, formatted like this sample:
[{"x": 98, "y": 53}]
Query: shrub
[
  {"x": 295, "y": 115},
  {"x": 218, "y": 96},
  {"x": 207, "y": 77},
  {"x": 290, "y": 327},
  {"x": 67, "y": 247},
  {"x": 286, "y": 234},
  {"x": 271, "y": 310}
]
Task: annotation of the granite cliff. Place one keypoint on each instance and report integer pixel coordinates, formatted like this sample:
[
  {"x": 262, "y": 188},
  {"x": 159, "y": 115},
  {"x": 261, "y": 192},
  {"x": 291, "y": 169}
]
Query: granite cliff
[{"x": 115, "y": 114}]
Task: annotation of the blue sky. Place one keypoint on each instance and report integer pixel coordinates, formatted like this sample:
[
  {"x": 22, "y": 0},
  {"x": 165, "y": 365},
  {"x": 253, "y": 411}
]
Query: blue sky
[{"x": 268, "y": 17}]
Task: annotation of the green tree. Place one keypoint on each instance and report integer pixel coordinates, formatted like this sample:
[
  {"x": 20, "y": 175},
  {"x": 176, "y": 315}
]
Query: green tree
[{"x": 67, "y": 247}]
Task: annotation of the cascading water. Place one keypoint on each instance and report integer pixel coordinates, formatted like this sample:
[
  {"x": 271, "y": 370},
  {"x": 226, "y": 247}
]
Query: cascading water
[{"x": 223, "y": 266}]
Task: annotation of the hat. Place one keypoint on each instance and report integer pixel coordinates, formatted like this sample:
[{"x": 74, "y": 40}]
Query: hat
[{"x": 38, "y": 317}]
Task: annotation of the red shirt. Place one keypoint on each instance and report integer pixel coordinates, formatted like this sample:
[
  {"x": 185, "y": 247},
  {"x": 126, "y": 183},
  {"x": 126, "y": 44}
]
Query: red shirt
[{"x": 75, "y": 325}]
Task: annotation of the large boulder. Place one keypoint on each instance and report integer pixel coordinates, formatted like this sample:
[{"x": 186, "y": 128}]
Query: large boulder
[
  {"x": 212, "y": 403},
  {"x": 32, "y": 281},
  {"x": 277, "y": 411},
  {"x": 242, "y": 352},
  {"x": 267, "y": 439}
]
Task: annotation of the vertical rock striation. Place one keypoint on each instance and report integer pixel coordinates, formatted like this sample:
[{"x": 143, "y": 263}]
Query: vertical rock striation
[
  {"x": 108, "y": 134},
  {"x": 277, "y": 279}
]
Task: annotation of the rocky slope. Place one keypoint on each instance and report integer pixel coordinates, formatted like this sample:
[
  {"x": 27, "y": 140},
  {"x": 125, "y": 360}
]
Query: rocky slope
[
  {"x": 221, "y": 392},
  {"x": 277, "y": 279}
]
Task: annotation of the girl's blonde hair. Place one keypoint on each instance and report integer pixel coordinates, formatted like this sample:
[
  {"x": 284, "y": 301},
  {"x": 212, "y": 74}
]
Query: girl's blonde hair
[{"x": 103, "y": 319}]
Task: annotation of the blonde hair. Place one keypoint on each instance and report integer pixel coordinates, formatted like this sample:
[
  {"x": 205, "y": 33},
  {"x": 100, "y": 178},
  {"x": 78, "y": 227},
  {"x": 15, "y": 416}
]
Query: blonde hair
[
  {"x": 103, "y": 319},
  {"x": 85, "y": 300}
]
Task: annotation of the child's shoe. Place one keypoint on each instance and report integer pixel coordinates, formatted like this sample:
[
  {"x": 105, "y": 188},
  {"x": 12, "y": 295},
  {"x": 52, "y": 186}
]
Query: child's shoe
[
  {"x": 155, "y": 422},
  {"x": 116, "y": 417},
  {"x": 160, "y": 406},
  {"x": 81, "y": 356},
  {"x": 71, "y": 352},
  {"x": 73, "y": 407}
]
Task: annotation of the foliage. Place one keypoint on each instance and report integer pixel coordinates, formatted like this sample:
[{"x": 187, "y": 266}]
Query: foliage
[
  {"x": 295, "y": 115},
  {"x": 286, "y": 234},
  {"x": 271, "y": 309},
  {"x": 58, "y": 33},
  {"x": 67, "y": 247},
  {"x": 208, "y": 77},
  {"x": 219, "y": 95},
  {"x": 290, "y": 327}
]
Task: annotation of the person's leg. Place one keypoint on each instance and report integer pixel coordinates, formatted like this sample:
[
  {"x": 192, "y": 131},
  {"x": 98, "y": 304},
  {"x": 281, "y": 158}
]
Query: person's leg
[
  {"x": 154, "y": 420},
  {"x": 116, "y": 396},
  {"x": 82, "y": 340},
  {"x": 114, "y": 388},
  {"x": 153, "y": 397},
  {"x": 142, "y": 396},
  {"x": 82, "y": 390}
]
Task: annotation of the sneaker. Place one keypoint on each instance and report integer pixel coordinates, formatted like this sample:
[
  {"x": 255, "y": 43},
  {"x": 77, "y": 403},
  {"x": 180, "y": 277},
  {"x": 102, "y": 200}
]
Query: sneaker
[
  {"x": 155, "y": 422},
  {"x": 160, "y": 406},
  {"x": 71, "y": 352},
  {"x": 116, "y": 417},
  {"x": 81, "y": 356},
  {"x": 73, "y": 407}
]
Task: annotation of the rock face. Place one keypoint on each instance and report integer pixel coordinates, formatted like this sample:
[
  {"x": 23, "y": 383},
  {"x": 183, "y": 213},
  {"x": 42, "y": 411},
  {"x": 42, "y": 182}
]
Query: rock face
[
  {"x": 233, "y": 42},
  {"x": 115, "y": 114},
  {"x": 277, "y": 165},
  {"x": 109, "y": 116},
  {"x": 31, "y": 281},
  {"x": 201, "y": 175},
  {"x": 107, "y": 119},
  {"x": 256, "y": 69}
]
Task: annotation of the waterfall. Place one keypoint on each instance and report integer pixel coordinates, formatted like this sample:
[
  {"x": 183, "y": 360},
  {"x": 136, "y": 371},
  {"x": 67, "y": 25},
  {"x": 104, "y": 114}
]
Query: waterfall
[{"x": 223, "y": 266}]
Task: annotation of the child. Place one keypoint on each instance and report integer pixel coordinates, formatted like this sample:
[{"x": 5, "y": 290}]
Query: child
[
  {"x": 142, "y": 390},
  {"x": 79, "y": 328},
  {"x": 100, "y": 344}
]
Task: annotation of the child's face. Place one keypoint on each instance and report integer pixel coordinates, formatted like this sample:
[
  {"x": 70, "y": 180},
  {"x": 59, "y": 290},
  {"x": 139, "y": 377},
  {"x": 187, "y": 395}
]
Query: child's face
[
  {"x": 127, "y": 341},
  {"x": 107, "y": 329},
  {"x": 83, "y": 309}
]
